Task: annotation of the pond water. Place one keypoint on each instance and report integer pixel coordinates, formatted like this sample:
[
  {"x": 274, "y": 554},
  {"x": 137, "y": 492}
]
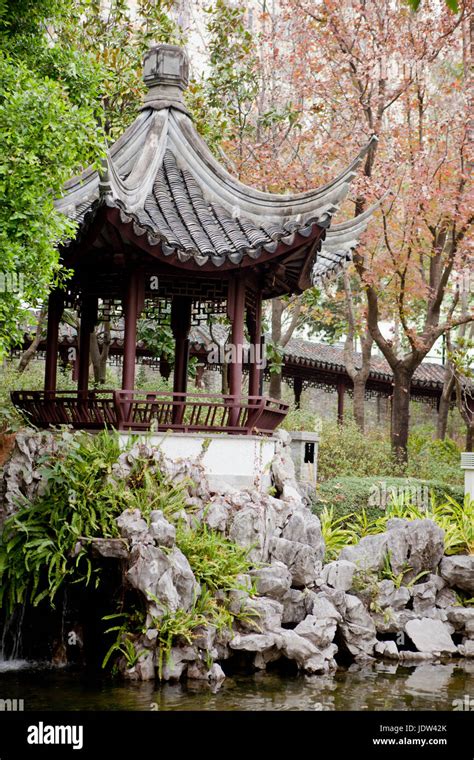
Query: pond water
[{"x": 374, "y": 686}]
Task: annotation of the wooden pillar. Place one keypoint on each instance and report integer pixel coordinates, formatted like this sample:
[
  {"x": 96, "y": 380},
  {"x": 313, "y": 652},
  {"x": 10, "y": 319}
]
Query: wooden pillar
[
  {"x": 236, "y": 306},
  {"x": 297, "y": 390},
  {"x": 131, "y": 310},
  {"x": 341, "y": 387},
  {"x": 181, "y": 325},
  {"x": 55, "y": 310},
  {"x": 254, "y": 326},
  {"x": 181, "y": 307},
  {"x": 165, "y": 367},
  {"x": 88, "y": 320}
]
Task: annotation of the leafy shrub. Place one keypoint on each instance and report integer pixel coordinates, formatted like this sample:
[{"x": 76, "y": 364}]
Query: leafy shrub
[
  {"x": 348, "y": 495},
  {"x": 456, "y": 518},
  {"x": 335, "y": 533},
  {"x": 216, "y": 561},
  {"x": 433, "y": 459},
  {"x": 301, "y": 419},
  {"x": 345, "y": 451}
]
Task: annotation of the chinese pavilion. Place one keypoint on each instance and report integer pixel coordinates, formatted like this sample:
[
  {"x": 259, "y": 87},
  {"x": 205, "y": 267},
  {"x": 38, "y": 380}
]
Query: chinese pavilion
[{"x": 164, "y": 230}]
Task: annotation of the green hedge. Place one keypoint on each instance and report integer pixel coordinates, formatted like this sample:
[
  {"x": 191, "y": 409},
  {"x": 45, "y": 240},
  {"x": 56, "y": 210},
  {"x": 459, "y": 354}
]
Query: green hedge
[{"x": 349, "y": 494}]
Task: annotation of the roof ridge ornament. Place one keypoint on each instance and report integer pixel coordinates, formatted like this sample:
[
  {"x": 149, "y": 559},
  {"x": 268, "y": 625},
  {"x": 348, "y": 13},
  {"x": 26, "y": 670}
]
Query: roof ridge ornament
[{"x": 166, "y": 75}]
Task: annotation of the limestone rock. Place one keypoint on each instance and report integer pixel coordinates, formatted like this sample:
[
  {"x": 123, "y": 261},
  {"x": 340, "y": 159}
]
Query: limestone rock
[
  {"x": 417, "y": 544},
  {"x": 469, "y": 629},
  {"x": 133, "y": 527},
  {"x": 308, "y": 657},
  {"x": 368, "y": 554},
  {"x": 199, "y": 671},
  {"x": 339, "y": 574},
  {"x": 216, "y": 516},
  {"x": 393, "y": 622},
  {"x": 458, "y": 571},
  {"x": 111, "y": 548},
  {"x": 173, "y": 671},
  {"x": 429, "y": 635},
  {"x": 144, "y": 670},
  {"x": 273, "y": 581},
  {"x": 167, "y": 578},
  {"x": 262, "y": 659},
  {"x": 163, "y": 532},
  {"x": 390, "y": 596},
  {"x": 252, "y": 642},
  {"x": 357, "y": 629},
  {"x": 264, "y": 615},
  {"x": 324, "y": 609},
  {"x": 446, "y": 598},
  {"x": 466, "y": 649},
  {"x": 387, "y": 650},
  {"x": 183, "y": 578},
  {"x": 337, "y": 597},
  {"x": 320, "y": 631},
  {"x": 305, "y": 528},
  {"x": 22, "y": 479},
  {"x": 254, "y": 527},
  {"x": 299, "y": 558},
  {"x": 460, "y": 617},
  {"x": 411, "y": 658},
  {"x": 424, "y": 599},
  {"x": 294, "y": 606},
  {"x": 204, "y": 637}
]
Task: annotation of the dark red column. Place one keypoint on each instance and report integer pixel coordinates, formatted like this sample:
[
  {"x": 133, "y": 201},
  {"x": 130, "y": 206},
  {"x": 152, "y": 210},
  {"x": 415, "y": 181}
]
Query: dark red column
[
  {"x": 55, "y": 310},
  {"x": 131, "y": 311},
  {"x": 237, "y": 313},
  {"x": 297, "y": 389},
  {"x": 254, "y": 325},
  {"x": 88, "y": 320},
  {"x": 180, "y": 324}
]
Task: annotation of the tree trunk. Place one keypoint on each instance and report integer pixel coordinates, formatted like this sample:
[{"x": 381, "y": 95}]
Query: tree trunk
[
  {"x": 358, "y": 375},
  {"x": 95, "y": 356},
  {"x": 359, "y": 401},
  {"x": 279, "y": 339},
  {"x": 445, "y": 402},
  {"x": 277, "y": 316},
  {"x": 401, "y": 412},
  {"x": 100, "y": 355},
  {"x": 470, "y": 436},
  {"x": 275, "y": 385},
  {"x": 27, "y": 355}
]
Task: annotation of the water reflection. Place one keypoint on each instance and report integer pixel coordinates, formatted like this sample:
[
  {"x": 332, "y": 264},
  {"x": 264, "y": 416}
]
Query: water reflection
[{"x": 367, "y": 686}]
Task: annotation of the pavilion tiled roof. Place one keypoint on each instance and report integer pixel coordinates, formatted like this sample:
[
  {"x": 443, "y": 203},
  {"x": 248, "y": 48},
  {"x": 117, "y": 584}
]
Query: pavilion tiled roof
[{"x": 164, "y": 180}]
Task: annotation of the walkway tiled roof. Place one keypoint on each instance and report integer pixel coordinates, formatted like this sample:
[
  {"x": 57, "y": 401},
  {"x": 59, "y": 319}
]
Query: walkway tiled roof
[{"x": 323, "y": 356}]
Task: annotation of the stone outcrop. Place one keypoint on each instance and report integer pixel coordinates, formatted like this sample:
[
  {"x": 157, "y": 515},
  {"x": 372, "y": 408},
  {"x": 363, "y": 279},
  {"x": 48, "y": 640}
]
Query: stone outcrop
[
  {"x": 458, "y": 571},
  {"x": 290, "y": 605},
  {"x": 431, "y": 636}
]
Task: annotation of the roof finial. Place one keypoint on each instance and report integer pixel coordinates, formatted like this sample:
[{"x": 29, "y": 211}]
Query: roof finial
[{"x": 166, "y": 74}]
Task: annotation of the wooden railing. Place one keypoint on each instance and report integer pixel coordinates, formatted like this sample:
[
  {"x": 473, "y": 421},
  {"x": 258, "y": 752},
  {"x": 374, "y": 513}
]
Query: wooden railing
[
  {"x": 81, "y": 409},
  {"x": 144, "y": 410}
]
